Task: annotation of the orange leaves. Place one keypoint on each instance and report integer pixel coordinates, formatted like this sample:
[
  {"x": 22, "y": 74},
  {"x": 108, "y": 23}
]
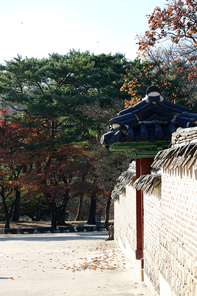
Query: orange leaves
[
  {"x": 108, "y": 259},
  {"x": 177, "y": 17},
  {"x": 177, "y": 23},
  {"x": 3, "y": 111},
  {"x": 132, "y": 102},
  {"x": 140, "y": 75}
]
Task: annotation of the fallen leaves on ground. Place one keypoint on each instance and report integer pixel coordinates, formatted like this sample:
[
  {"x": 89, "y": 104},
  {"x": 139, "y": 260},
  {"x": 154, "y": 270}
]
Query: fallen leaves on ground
[
  {"x": 106, "y": 256},
  {"x": 106, "y": 260}
]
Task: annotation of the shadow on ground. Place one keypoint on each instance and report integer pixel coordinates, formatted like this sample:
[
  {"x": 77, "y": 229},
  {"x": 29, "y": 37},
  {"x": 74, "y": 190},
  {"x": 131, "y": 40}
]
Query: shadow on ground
[{"x": 56, "y": 236}]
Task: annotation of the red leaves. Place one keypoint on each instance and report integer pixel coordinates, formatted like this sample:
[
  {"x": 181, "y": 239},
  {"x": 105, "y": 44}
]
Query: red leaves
[
  {"x": 177, "y": 22},
  {"x": 173, "y": 17},
  {"x": 37, "y": 168}
]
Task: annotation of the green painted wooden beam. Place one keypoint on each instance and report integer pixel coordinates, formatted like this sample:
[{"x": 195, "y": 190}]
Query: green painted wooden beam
[{"x": 140, "y": 150}]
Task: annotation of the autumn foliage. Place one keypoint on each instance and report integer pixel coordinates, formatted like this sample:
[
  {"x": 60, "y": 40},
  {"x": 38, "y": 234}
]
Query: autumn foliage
[
  {"x": 141, "y": 74},
  {"x": 56, "y": 122},
  {"x": 31, "y": 163},
  {"x": 176, "y": 23},
  {"x": 167, "y": 55}
]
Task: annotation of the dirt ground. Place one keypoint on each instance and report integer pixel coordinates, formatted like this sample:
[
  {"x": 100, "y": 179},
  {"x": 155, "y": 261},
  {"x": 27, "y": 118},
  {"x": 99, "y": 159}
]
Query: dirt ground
[
  {"x": 37, "y": 224},
  {"x": 54, "y": 264}
]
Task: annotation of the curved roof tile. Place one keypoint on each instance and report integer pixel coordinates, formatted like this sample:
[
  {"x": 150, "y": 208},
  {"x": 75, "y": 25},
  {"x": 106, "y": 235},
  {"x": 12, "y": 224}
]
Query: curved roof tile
[{"x": 152, "y": 119}]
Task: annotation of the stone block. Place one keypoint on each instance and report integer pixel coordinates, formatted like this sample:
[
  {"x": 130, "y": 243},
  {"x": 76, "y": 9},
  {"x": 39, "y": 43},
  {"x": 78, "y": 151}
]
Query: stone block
[
  {"x": 193, "y": 288},
  {"x": 183, "y": 277},
  {"x": 172, "y": 263},
  {"x": 168, "y": 259},
  {"x": 183, "y": 293},
  {"x": 167, "y": 274},
  {"x": 173, "y": 280},
  {"x": 178, "y": 286},
  {"x": 180, "y": 256},
  {"x": 190, "y": 265},
  {"x": 175, "y": 251},
  {"x": 177, "y": 269},
  {"x": 164, "y": 255},
  {"x": 194, "y": 271},
  {"x": 157, "y": 260},
  {"x": 189, "y": 280},
  {"x": 179, "y": 274},
  {"x": 171, "y": 247},
  {"x": 185, "y": 261}
]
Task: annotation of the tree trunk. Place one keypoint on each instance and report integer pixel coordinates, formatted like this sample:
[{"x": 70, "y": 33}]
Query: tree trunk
[
  {"x": 17, "y": 206},
  {"x": 79, "y": 216},
  {"x": 60, "y": 214},
  {"x": 107, "y": 212},
  {"x": 92, "y": 211},
  {"x": 7, "y": 213},
  {"x": 53, "y": 215},
  {"x": 7, "y": 223}
]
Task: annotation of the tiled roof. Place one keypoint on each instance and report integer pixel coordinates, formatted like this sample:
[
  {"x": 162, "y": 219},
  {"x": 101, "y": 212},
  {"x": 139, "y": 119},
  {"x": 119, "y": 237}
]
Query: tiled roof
[
  {"x": 173, "y": 158},
  {"x": 154, "y": 118},
  {"x": 184, "y": 136},
  {"x": 148, "y": 182},
  {"x": 145, "y": 182},
  {"x": 182, "y": 153},
  {"x": 126, "y": 178}
]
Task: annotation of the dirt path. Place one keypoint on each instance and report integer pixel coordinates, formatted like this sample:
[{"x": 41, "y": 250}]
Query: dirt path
[{"x": 78, "y": 264}]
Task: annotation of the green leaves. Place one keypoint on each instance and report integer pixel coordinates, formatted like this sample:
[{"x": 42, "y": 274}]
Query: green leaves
[
  {"x": 58, "y": 87},
  {"x": 66, "y": 100}
]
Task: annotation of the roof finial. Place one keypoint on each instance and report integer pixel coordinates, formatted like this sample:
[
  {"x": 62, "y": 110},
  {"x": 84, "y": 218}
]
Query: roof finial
[{"x": 152, "y": 88}]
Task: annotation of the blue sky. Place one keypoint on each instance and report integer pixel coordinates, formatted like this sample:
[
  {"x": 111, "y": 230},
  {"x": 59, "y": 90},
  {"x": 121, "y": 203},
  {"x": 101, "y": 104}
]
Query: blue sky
[{"x": 36, "y": 28}]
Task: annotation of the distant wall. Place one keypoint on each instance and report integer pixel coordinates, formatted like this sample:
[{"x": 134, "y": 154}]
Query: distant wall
[
  {"x": 152, "y": 230},
  {"x": 125, "y": 221}
]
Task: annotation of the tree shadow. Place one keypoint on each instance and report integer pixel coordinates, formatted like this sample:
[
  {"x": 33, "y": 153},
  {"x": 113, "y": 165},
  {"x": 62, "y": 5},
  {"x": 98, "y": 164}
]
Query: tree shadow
[{"x": 56, "y": 236}]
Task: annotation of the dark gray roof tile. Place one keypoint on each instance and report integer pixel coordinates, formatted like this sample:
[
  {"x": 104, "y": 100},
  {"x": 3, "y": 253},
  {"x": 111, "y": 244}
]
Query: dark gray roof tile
[{"x": 152, "y": 119}]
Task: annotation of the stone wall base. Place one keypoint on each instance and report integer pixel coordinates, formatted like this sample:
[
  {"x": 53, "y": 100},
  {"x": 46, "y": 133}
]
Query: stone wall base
[
  {"x": 165, "y": 289},
  {"x": 150, "y": 285},
  {"x": 130, "y": 255}
]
